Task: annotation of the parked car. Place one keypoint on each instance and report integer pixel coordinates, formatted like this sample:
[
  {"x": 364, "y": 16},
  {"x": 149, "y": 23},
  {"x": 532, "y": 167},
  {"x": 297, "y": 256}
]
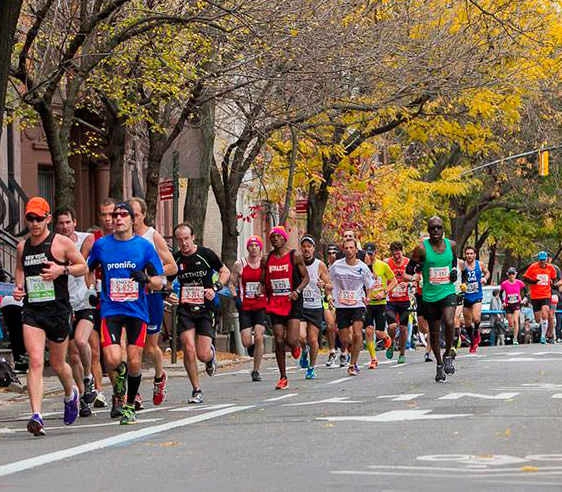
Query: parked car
[{"x": 486, "y": 328}]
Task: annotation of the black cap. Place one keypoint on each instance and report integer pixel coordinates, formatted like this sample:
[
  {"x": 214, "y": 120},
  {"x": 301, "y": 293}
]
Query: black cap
[
  {"x": 332, "y": 248},
  {"x": 511, "y": 270},
  {"x": 127, "y": 207}
]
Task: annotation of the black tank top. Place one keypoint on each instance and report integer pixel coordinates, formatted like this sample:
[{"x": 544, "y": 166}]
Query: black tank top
[{"x": 41, "y": 292}]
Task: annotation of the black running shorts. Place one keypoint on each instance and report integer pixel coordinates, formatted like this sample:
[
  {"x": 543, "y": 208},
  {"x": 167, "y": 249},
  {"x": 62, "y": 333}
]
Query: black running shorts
[
  {"x": 249, "y": 319},
  {"x": 53, "y": 320},
  {"x": 345, "y": 317}
]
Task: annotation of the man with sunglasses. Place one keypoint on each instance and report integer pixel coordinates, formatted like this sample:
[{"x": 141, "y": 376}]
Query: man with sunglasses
[
  {"x": 436, "y": 259},
  {"x": 44, "y": 262},
  {"x": 130, "y": 265}
]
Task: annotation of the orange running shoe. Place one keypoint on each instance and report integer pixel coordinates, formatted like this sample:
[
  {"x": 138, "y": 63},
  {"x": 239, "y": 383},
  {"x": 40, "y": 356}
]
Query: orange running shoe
[
  {"x": 282, "y": 384},
  {"x": 374, "y": 363},
  {"x": 296, "y": 352},
  {"x": 387, "y": 342},
  {"x": 159, "y": 390}
]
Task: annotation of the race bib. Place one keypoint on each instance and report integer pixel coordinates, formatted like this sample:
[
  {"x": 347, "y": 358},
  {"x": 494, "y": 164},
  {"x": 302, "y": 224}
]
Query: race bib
[
  {"x": 543, "y": 279},
  {"x": 472, "y": 287},
  {"x": 193, "y": 294},
  {"x": 251, "y": 290},
  {"x": 399, "y": 291},
  {"x": 39, "y": 290},
  {"x": 512, "y": 298},
  {"x": 439, "y": 275},
  {"x": 123, "y": 290},
  {"x": 311, "y": 296},
  {"x": 347, "y": 297},
  {"x": 280, "y": 286}
]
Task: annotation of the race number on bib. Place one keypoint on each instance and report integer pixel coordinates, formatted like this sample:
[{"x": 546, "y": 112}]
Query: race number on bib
[
  {"x": 399, "y": 291},
  {"x": 472, "y": 287},
  {"x": 193, "y": 294},
  {"x": 311, "y": 296},
  {"x": 123, "y": 290},
  {"x": 542, "y": 279},
  {"x": 280, "y": 286},
  {"x": 439, "y": 275},
  {"x": 348, "y": 297},
  {"x": 251, "y": 290},
  {"x": 512, "y": 298},
  {"x": 39, "y": 290}
]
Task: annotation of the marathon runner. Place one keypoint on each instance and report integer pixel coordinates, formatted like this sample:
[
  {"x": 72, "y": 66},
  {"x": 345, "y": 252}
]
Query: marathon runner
[
  {"x": 510, "y": 293},
  {"x": 385, "y": 281},
  {"x": 436, "y": 258},
  {"x": 352, "y": 282},
  {"x": 398, "y": 307},
  {"x": 129, "y": 265},
  {"x": 540, "y": 276},
  {"x": 80, "y": 353},
  {"x": 474, "y": 275},
  {"x": 313, "y": 311},
  {"x": 155, "y": 301},
  {"x": 245, "y": 284},
  {"x": 329, "y": 314},
  {"x": 195, "y": 316},
  {"x": 44, "y": 262},
  {"x": 285, "y": 277}
]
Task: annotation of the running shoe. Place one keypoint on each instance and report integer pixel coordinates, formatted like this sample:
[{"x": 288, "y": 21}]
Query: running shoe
[
  {"x": 373, "y": 364},
  {"x": 256, "y": 376},
  {"x": 515, "y": 342},
  {"x": 128, "y": 415},
  {"x": 159, "y": 389},
  {"x": 116, "y": 406},
  {"x": 282, "y": 384},
  {"x": 427, "y": 357},
  {"x": 390, "y": 351},
  {"x": 449, "y": 364},
  {"x": 387, "y": 342},
  {"x": 332, "y": 362},
  {"x": 35, "y": 425},
  {"x": 296, "y": 352},
  {"x": 459, "y": 342},
  {"x": 85, "y": 410},
  {"x": 90, "y": 392},
  {"x": 472, "y": 349},
  {"x": 120, "y": 381},
  {"x": 303, "y": 362},
  {"x": 543, "y": 340},
  {"x": 100, "y": 401},
  {"x": 310, "y": 373},
  {"x": 71, "y": 409},
  {"x": 138, "y": 403},
  {"x": 211, "y": 366},
  {"x": 196, "y": 397},
  {"x": 440, "y": 376},
  {"x": 454, "y": 352},
  {"x": 353, "y": 370},
  {"x": 401, "y": 359},
  {"x": 344, "y": 360},
  {"x": 477, "y": 339}
]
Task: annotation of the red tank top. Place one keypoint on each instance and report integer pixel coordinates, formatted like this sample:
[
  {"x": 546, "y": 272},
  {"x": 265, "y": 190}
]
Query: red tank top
[
  {"x": 399, "y": 294},
  {"x": 279, "y": 284},
  {"x": 250, "y": 280}
]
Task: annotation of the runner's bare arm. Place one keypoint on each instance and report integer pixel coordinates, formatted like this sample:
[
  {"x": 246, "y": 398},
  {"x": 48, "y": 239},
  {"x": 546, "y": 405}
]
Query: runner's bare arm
[
  {"x": 64, "y": 250},
  {"x": 324, "y": 282},
  {"x": 87, "y": 245},
  {"x": 19, "y": 291},
  {"x": 224, "y": 275},
  {"x": 299, "y": 263},
  {"x": 234, "y": 277},
  {"x": 416, "y": 259},
  {"x": 485, "y": 273},
  {"x": 168, "y": 263}
]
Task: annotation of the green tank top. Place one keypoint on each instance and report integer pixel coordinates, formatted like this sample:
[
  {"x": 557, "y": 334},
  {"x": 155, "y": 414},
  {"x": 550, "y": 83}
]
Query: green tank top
[{"x": 436, "y": 269}]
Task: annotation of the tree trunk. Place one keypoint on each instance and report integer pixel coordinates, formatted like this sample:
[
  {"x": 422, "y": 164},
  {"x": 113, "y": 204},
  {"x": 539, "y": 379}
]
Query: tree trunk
[
  {"x": 317, "y": 202},
  {"x": 229, "y": 222},
  {"x": 9, "y": 15},
  {"x": 195, "y": 207},
  {"x": 116, "y": 134},
  {"x": 152, "y": 179},
  {"x": 291, "y": 178},
  {"x": 492, "y": 260}
]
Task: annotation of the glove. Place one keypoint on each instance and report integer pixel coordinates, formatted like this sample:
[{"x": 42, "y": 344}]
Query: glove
[
  {"x": 453, "y": 275},
  {"x": 413, "y": 267},
  {"x": 140, "y": 277},
  {"x": 93, "y": 297}
]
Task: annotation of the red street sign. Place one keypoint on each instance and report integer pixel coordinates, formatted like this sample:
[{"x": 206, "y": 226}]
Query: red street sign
[
  {"x": 301, "y": 206},
  {"x": 166, "y": 189}
]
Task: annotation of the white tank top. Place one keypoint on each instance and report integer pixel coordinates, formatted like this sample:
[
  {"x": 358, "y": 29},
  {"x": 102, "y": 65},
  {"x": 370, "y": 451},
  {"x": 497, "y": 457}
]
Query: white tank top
[
  {"x": 77, "y": 288},
  {"x": 312, "y": 295},
  {"x": 149, "y": 235}
]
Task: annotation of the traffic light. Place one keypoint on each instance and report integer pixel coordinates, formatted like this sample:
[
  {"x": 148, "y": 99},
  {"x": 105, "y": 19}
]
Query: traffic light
[{"x": 543, "y": 162}]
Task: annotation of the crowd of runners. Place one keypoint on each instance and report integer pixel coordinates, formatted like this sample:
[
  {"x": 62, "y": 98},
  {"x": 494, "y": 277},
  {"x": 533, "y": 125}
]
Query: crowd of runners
[{"x": 97, "y": 299}]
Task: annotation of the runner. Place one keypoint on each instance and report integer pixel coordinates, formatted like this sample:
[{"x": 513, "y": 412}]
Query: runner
[
  {"x": 385, "y": 281},
  {"x": 80, "y": 353},
  {"x": 129, "y": 265},
  {"x": 423, "y": 325},
  {"x": 352, "y": 282},
  {"x": 245, "y": 284},
  {"x": 540, "y": 276},
  {"x": 313, "y": 310},
  {"x": 195, "y": 316},
  {"x": 474, "y": 275},
  {"x": 510, "y": 292},
  {"x": 436, "y": 258},
  {"x": 105, "y": 212},
  {"x": 398, "y": 307},
  {"x": 285, "y": 277},
  {"x": 44, "y": 262},
  {"x": 155, "y": 302},
  {"x": 330, "y": 316},
  {"x": 351, "y": 235}
]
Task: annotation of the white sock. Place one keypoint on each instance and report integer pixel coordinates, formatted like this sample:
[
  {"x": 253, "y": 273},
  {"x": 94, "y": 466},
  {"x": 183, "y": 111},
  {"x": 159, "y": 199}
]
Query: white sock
[{"x": 544, "y": 327}]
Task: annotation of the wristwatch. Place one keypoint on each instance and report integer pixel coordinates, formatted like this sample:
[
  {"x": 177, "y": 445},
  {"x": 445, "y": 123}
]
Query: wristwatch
[{"x": 66, "y": 270}]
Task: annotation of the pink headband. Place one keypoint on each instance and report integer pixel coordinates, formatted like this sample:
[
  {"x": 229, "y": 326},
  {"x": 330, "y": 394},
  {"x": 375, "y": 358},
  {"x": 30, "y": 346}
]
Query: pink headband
[
  {"x": 255, "y": 239},
  {"x": 279, "y": 230}
]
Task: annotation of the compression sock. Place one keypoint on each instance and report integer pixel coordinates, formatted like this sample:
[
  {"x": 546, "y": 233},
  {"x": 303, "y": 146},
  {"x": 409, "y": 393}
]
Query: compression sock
[
  {"x": 371, "y": 349},
  {"x": 133, "y": 384}
]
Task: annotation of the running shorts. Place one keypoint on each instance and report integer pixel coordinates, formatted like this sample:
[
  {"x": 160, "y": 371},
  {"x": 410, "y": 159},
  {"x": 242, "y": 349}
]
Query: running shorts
[
  {"x": 201, "y": 322},
  {"x": 511, "y": 308},
  {"x": 539, "y": 303},
  {"x": 346, "y": 316},
  {"x": 398, "y": 312},
  {"x": 54, "y": 321},
  {"x": 376, "y": 316},
  {"x": 469, "y": 304},
  {"x": 420, "y": 306},
  {"x": 249, "y": 319},
  {"x": 87, "y": 314},
  {"x": 313, "y": 316},
  {"x": 112, "y": 327},
  {"x": 434, "y": 310}
]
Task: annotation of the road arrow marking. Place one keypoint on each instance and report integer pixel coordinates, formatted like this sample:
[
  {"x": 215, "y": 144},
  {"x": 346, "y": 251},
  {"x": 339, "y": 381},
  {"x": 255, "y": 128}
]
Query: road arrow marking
[
  {"x": 396, "y": 416},
  {"x": 337, "y": 399},
  {"x": 458, "y": 396}
]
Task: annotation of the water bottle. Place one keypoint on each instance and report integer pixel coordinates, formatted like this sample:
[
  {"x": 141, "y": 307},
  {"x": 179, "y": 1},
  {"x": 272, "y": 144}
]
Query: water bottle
[{"x": 176, "y": 288}]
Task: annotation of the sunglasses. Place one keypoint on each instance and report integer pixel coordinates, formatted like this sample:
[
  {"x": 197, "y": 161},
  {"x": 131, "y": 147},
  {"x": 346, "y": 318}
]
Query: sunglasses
[
  {"x": 35, "y": 218},
  {"x": 435, "y": 228},
  {"x": 122, "y": 214}
]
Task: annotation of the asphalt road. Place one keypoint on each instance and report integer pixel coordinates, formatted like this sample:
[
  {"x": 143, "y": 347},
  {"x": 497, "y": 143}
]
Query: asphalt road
[{"x": 494, "y": 425}]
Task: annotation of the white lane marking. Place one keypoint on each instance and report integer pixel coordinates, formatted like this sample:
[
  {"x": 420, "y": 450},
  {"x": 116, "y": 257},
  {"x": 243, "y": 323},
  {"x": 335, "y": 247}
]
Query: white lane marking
[
  {"x": 341, "y": 380},
  {"x": 277, "y": 398},
  {"x": 395, "y": 416},
  {"x": 557, "y": 395},
  {"x": 195, "y": 407},
  {"x": 233, "y": 373},
  {"x": 526, "y": 359},
  {"x": 105, "y": 410},
  {"x": 43, "y": 459},
  {"x": 458, "y": 396},
  {"x": 404, "y": 397},
  {"x": 470, "y": 356},
  {"x": 521, "y": 474},
  {"x": 546, "y": 353},
  {"x": 88, "y": 426},
  {"x": 385, "y": 362},
  {"x": 400, "y": 365},
  {"x": 337, "y": 399}
]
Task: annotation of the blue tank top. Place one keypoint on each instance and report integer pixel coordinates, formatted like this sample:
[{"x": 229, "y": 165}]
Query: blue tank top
[
  {"x": 473, "y": 283},
  {"x": 120, "y": 295}
]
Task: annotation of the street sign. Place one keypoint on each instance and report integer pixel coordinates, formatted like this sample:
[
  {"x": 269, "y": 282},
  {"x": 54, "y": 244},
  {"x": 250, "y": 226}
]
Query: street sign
[
  {"x": 166, "y": 189},
  {"x": 301, "y": 206}
]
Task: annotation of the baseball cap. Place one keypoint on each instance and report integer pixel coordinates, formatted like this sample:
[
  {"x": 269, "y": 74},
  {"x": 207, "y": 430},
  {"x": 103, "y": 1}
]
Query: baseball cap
[
  {"x": 125, "y": 206},
  {"x": 332, "y": 248},
  {"x": 38, "y": 206},
  {"x": 542, "y": 256},
  {"x": 511, "y": 270},
  {"x": 309, "y": 238},
  {"x": 370, "y": 248}
]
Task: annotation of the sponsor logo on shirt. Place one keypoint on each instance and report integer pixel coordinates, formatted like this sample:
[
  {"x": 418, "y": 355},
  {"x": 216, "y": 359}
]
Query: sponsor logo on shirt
[{"x": 123, "y": 264}]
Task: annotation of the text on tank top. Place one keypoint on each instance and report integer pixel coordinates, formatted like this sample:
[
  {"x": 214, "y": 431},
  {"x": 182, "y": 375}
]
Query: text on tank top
[{"x": 279, "y": 283}]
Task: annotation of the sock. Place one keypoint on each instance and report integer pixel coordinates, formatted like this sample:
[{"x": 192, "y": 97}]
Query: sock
[
  {"x": 544, "y": 327},
  {"x": 133, "y": 384},
  {"x": 333, "y": 351},
  {"x": 69, "y": 398},
  {"x": 371, "y": 349},
  {"x": 158, "y": 380}
]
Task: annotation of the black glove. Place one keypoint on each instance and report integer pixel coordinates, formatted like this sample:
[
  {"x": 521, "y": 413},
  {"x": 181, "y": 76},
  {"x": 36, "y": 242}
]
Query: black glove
[
  {"x": 413, "y": 267},
  {"x": 453, "y": 275},
  {"x": 140, "y": 277}
]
